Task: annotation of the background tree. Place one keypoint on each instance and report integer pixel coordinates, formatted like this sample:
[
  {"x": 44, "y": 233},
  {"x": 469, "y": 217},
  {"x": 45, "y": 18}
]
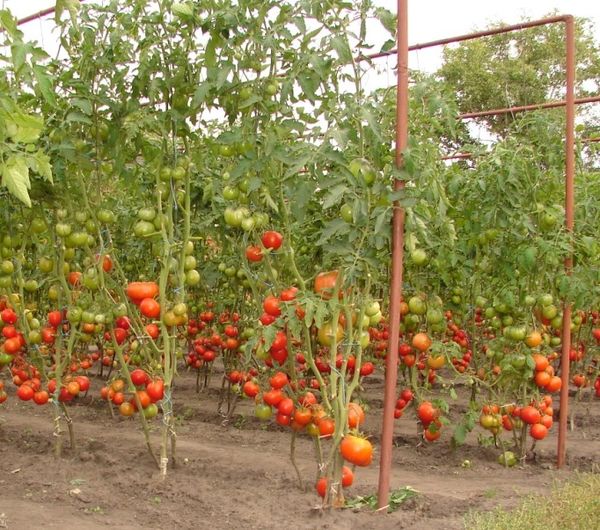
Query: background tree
[{"x": 520, "y": 68}]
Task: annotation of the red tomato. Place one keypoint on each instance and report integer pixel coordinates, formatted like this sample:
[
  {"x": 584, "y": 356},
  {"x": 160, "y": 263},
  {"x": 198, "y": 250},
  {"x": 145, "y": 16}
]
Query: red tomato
[
  {"x": 279, "y": 380},
  {"x": 156, "y": 390},
  {"x": 356, "y": 450},
  {"x": 55, "y": 318},
  {"x": 8, "y": 316},
  {"x": 138, "y": 377},
  {"x": 137, "y": 291},
  {"x": 286, "y": 406},
  {"x": 251, "y": 389},
  {"x": 538, "y": 431},
  {"x": 272, "y": 240},
  {"x": 427, "y": 412},
  {"x": 254, "y": 254},
  {"x": 271, "y": 306},
  {"x": 273, "y": 397},
  {"x": 25, "y": 392},
  {"x": 41, "y": 397},
  {"x": 150, "y": 308},
  {"x": 84, "y": 382},
  {"x": 325, "y": 283},
  {"x": 12, "y": 346},
  {"x": 530, "y": 415},
  {"x": 287, "y": 295},
  {"x": 153, "y": 331}
]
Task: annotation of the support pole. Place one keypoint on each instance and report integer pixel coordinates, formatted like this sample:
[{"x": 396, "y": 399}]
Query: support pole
[
  {"x": 391, "y": 364},
  {"x": 569, "y": 225}
]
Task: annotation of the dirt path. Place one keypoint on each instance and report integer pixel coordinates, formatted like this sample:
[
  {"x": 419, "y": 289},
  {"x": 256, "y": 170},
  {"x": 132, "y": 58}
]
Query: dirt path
[{"x": 241, "y": 477}]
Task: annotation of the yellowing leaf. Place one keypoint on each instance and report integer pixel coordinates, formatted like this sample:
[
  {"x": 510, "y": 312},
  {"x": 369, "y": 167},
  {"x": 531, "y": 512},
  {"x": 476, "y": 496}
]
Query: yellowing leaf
[{"x": 15, "y": 177}]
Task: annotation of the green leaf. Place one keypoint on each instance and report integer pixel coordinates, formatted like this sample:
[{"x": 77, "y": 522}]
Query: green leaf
[
  {"x": 382, "y": 220},
  {"x": 340, "y": 45},
  {"x": 44, "y": 84},
  {"x": 200, "y": 95},
  {"x": 387, "y": 19},
  {"x": 28, "y": 127},
  {"x": 268, "y": 334},
  {"x": 15, "y": 177},
  {"x": 8, "y": 22},
  {"x": 181, "y": 9},
  {"x": 308, "y": 85},
  {"x": 460, "y": 434},
  {"x": 309, "y": 311},
  {"x": 250, "y": 101},
  {"x": 388, "y": 45},
  {"x": 78, "y": 117},
  {"x": 83, "y": 104},
  {"x": 334, "y": 196},
  {"x": 320, "y": 314},
  {"x": 210, "y": 54},
  {"x": 72, "y": 6},
  {"x": 336, "y": 226},
  {"x": 19, "y": 55},
  {"x": 40, "y": 163}
]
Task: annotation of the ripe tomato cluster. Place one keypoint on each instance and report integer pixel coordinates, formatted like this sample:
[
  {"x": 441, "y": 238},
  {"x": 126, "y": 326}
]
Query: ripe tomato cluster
[{"x": 148, "y": 392}]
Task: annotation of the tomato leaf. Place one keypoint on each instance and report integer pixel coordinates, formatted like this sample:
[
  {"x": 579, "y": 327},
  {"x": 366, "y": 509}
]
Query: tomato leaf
[
  {"x": 309, "y": 310},
  {"x": 340, "y": 45},
  {"x": 335, "y": 227},
  {"x": 334, "y": 196},
  {"x": 387, "y": 19},
  {"x": 321, "y": 314},
  {"x": 8, "y": 22},
  {"x": 268, "y": 334},
  {"x": 83, "y": 104},
  {"x": 15, "y": 177},
  {"x": 44, "y": 84},
  {"x": 40, "y": 163}
]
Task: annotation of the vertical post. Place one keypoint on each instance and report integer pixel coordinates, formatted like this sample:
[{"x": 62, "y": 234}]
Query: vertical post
[
  {"x": 391, "y": 365},
  {"x": 569, "y": 224}
]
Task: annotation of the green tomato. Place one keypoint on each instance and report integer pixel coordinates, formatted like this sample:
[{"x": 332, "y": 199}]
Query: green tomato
[
  {"x": 31, "y": 286},
  {"x": 263, "y": 412},
  {"x": 507, "y": 459},
  {"x": 7, "y": 267},
  {"x": 62, "y": 229},
  {"x": 360, "y": 167},
  {"x": 418, "y": 257},
  {"x": 346, "y": 213},
  {"x": 372, "y": 309},
  {"x": 230, "y": 193},
  {"x": 38, "y": 225},
  {"x": 417, "y": 306},
  {"x": 192, "y": 278},
  {"x": 147, "y": 214},
  {"x": 106, "y": 216},
  {"x": 233, "y": 217},
  {"x": 143, "y": 228}
]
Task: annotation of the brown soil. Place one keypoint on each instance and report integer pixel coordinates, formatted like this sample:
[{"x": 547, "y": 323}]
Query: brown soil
[{"x": 239, "y": 475}]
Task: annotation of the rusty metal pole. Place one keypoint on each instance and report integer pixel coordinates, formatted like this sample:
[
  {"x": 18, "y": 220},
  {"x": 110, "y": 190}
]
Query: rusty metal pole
[
  {"x": 569, "y": 225},
  {"x": 523, "y": 108},
  {"x": 391, "y": 363},
  {"x": 39, "y": 14}
]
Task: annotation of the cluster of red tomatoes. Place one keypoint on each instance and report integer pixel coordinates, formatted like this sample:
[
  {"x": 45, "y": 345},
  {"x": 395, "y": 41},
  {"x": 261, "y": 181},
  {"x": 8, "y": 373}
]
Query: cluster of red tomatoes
[
  {"x": 271, "y": 241},
  {"x": 207, "y": 342},
  {"x": 404, "y": 398},
  {"x": 148, "y": 393},
  {"x": 538, "y": 415},
  {"x": 544, "y": 374},
  {"x": 429, "y": 416}
]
